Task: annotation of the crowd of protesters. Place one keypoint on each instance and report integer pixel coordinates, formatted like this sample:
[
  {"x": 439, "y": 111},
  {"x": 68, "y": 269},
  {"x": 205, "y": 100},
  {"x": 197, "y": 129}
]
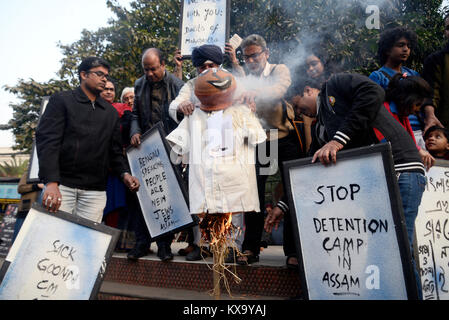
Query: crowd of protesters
[{"x": 83, "y": 134}]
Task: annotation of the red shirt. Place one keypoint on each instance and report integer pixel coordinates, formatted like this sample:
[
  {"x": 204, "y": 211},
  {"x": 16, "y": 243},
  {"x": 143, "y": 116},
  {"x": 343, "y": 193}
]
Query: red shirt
[
  {"x": 121, "y": 108},
  {"x": 404, "y": 121}
]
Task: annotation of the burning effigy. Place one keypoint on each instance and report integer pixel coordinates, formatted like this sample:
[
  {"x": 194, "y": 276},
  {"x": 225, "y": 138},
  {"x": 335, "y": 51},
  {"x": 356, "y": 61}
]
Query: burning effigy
[{"x": 218, "y": 142}]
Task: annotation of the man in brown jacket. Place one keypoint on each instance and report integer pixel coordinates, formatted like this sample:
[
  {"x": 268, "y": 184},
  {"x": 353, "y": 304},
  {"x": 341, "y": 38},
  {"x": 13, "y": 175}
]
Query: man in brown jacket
[{"x": 265, "y": 87}]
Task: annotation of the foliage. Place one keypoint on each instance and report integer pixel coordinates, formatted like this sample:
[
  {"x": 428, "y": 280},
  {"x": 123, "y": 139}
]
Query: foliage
[
  {"x": 26, "y": 113},
  {"x": 13, "y": 169},
  {"x": 337, "y": 26}
]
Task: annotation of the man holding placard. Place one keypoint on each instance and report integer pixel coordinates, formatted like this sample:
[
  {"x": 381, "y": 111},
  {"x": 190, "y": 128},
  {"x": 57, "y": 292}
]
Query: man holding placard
[
  {"x": 348, "y": 107},
  {"x": 154, "y": 92},
  {"x": 77, "y": 140}
]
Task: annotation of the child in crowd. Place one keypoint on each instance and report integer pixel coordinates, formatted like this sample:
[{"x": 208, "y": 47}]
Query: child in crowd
[
  {"x": 404, "y": 96},
  {"x": 395, "y": 47},
  {"x": 437, "y": 142}
]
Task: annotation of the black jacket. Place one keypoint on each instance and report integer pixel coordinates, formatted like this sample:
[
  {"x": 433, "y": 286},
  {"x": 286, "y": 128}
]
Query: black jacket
[
  {"x": 351, "y": 105},
  {"x": 141, "y": 116},
  {"x": 77, "y": 141}
]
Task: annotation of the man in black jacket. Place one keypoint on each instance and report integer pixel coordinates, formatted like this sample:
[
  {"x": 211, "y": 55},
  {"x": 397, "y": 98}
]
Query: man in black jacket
[
  {"x": 347, "y": 108},
  {"x": 154, "y": 92},
  {"x": 77, "y": 140}
]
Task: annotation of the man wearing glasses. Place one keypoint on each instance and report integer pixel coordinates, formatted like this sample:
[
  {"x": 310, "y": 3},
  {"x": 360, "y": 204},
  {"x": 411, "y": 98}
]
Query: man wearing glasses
[
  {"x": 77, "y": 140},
  {"x": 265, "y": 86},
  {"x": 154, "y": 92}
]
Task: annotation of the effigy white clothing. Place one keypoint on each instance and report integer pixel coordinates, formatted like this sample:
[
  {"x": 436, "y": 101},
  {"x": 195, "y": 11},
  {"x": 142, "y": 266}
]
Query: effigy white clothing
[{"x": 220, "y": 147}]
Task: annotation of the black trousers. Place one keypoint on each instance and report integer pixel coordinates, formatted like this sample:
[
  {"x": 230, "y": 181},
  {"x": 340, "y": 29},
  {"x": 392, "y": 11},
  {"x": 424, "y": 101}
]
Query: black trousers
[
  {"x": 288, "y": 149},
  {"x": 143, "y": 238}
]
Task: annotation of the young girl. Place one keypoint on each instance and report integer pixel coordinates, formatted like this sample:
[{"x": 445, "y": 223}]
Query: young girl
[
  {"x": 404, "y": 96},
  {"x": 437, "y": 142}
]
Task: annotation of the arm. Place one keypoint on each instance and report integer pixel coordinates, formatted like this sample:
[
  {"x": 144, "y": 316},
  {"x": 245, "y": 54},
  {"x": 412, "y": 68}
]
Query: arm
[
  {"x": 236, "y": 68},
  {"x": 366, "y": 98},
  {"x": 118, "y": 161},
  {"x": 135, "y": 130},
  {"x": 178, "y": 64},
  {"x": 433, "y": 75},
  {"x": 183, "y": 102},
  {"x": 278, "y": 84},
  {"x": 49, "y": 138},
  {"x": 24, "y": 187}
]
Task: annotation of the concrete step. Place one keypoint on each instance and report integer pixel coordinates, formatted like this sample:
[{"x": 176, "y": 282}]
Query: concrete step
[{"x": 268, "y": 278}]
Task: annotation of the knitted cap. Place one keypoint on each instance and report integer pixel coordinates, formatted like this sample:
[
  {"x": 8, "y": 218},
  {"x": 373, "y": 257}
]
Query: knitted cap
[{"x": 215, "y": 89}]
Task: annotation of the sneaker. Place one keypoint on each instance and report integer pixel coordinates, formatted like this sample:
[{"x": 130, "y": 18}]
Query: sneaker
[
  {"x": 195, "y": 255},
  {"x": 136, "y": 253},
  {"x": 164, "y": 253}
]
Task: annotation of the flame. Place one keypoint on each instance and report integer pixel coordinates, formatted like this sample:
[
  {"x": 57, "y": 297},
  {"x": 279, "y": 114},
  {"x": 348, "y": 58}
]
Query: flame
[{"x": 217, "y": 230}]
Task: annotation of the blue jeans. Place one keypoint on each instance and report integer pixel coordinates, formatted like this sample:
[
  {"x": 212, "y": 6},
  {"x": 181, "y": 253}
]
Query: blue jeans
[{"x": 411, "y": 187}]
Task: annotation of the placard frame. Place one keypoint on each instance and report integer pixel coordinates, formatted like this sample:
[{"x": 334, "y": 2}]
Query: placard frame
[
  {"x": 396, "y": 209},
  {"x": 181, "y": 26},
  {"x": 159, "y": 128},
  {"x": 74, "y": 219}
]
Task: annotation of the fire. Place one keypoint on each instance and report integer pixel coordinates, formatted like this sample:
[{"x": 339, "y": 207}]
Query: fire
[{"x": 217, "y": 229}]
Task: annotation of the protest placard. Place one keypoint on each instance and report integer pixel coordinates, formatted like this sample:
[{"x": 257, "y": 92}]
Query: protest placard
[
  {"x": 162, "y": 194},
  {"x": 56, "y": 256},
  {"x": 432, "y": 234},
  {"x": 349, "y": 229},
  {"x": 33, "y": 166},
  {"x": 203, "y": 22}
]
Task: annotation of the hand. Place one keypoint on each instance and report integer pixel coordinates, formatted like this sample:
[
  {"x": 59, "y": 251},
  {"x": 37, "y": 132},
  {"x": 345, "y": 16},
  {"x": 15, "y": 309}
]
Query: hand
[
  {"x": 186, "y": 108},
  {"x": 274, "y": 217},
  {"x": 231, "y": 52},
  {"x": 41, "y": 186},
  {"x": 135, "y": 140},
  {"x": 178, "y": 59},
  {"x": 430, "y": 119},
  {"x": 51, "y": 200},
  {"x": 328, "y": 153},
  {"x": 131, "y": 182},
  {"x": 426, "y": 158},
  {"x": 248, "y": 98}
]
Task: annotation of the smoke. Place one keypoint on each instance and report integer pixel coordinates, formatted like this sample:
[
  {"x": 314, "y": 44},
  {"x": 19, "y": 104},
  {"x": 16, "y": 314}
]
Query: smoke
[{"x": 323, "y": 29}]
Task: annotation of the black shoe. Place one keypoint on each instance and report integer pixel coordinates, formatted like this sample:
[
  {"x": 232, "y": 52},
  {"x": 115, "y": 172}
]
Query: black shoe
[
  {"x": 164, "y": 253},
  {"x": 231, "y": 256},
  {"x": 136, "y": 253},
  {"x": 195, "y": 255}
]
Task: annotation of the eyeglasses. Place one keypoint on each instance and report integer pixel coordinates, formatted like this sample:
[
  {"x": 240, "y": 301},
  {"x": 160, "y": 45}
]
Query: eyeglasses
[
  {"x": 253, "y": 56},
  {"x": 99, "y": 74}
]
